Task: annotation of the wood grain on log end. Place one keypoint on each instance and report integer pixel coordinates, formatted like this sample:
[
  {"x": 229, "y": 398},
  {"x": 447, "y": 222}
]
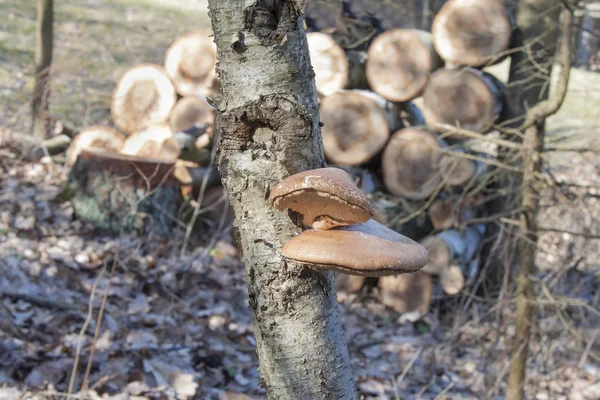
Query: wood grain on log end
[
  {"x": 471, "y": 32},
  {"x": 407, "y": 292},
  {"x": 190, "y": 111},
  {"x": 329, "y": 63},
  {"x": 464, "y": 97},
  {"x": 191, "y": 64},
  {"x": 410, "y": 163},
  {"x": 355, "y": 128},
  {"x": 452, "y": 280},
  {"x": 399, "y": 63},
  {"x": 457, "y": 170},
  {"x": 154, "y": 142},
  {"x": 97, "y": 137},
  {"x": 440, "y": 255},
  {"x": 144, "y": 96}
]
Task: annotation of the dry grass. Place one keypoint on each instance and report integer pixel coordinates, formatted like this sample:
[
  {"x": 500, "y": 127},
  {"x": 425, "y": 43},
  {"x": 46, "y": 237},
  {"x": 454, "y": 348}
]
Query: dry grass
[{"x": 95, "y": 41}]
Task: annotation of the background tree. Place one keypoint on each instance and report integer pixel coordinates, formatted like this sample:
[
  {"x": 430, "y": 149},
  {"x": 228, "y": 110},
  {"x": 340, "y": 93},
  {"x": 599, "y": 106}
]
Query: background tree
[
  {"x": 531, "y": 68},
  {"x": 268, "y": 123},
  {"x": 43, "y": 60}
]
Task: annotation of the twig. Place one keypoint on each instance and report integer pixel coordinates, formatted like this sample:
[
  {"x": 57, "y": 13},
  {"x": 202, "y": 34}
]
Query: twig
[
  {"x": 405, "y": 371},
  {"x": 88, "y": 319},
  {"x": 38, "y": 300},
  {"x": 453, "y": 130},
  {"x": 88, "y": 369}
]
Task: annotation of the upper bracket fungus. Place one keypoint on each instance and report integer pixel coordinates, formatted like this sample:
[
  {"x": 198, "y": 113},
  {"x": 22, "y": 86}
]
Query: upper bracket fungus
[
  {"x": 344, "y": 238},
  {"x": 324, "y": 197}
]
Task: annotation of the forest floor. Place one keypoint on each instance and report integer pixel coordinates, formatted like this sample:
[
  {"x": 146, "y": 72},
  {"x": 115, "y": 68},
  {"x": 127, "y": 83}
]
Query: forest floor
[{"x": 176, "y": 322}]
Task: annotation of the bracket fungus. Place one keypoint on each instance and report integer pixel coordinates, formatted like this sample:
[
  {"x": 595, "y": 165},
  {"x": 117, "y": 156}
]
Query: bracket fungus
[
  {"x": 344, "y": 238},
  {"x": 367, "y": 249},
  {"x": 324, "y": 198}
]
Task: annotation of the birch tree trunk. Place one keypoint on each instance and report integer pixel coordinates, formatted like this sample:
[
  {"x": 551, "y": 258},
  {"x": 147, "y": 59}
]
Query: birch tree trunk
[
  {"x": 268, "y": 127},
  {"x": 43, "y": 59}
]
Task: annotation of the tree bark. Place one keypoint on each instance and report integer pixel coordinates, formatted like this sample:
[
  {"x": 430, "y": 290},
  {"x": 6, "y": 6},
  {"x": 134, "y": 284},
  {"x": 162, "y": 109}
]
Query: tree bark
[
  {"x": 43, "y": 60},
  {"x": 527, "y": 246},
  {"x": 268, "y": 128}
]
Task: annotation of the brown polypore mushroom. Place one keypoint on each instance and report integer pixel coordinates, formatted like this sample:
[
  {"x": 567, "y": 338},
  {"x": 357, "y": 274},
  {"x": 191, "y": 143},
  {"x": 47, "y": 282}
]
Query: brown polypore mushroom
[
  {"x": 324, "y": 198},
  {"x": 367, "y": 249}
]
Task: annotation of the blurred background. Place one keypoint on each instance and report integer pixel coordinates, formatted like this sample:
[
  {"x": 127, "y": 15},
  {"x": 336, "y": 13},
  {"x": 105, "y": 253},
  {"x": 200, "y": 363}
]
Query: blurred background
[{"x": 139, "y": 292}]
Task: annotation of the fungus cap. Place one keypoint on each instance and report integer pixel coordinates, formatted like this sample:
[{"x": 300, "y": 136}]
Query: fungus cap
[
  {"x": 367, "y": 249},
  {"x": 324, "y": 197}
]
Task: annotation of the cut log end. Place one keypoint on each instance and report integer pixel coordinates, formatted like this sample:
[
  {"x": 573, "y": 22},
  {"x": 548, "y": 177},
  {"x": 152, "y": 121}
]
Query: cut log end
[
  {"x": 410, "y": 163},
  {"x": 407, "y": 292},
  {"x": 97, "y": 137},
  {"x": 154, "y": 142},
  {"x": 191, "y": 64},
  {"x": 440, "y": 255},
  {"x": 348, "y": 283},
  {"x": 452, "y": 280},
  {"x": 471, "y": 32},
  {"x": 190, "y": 111},
  {"x": 355, "y": 128},
  {"x": 329, "y": 63},
  {"x": 457, "y": 170},
  {"x": 466, "y": 98},
  {"x": 115, "y": 191},
  {"x": 144, "y": 96},
  {"x": 399, "y": 63},
  {"x": 450, "y": 212}
]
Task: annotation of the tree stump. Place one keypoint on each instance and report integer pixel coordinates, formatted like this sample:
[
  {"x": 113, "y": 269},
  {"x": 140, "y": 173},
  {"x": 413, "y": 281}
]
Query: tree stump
[
  {"x": 399, "y": 63},
  {"x": 144, "y": 96},
  {"x": 116, "y": 191},
  {"x": 191, "y": 64},
  {"x": 355, "y": 127},
  {"x": 464, "y": 97},
  {"x": 410, "y": 163},
  {"x": 472, "y": 32}
]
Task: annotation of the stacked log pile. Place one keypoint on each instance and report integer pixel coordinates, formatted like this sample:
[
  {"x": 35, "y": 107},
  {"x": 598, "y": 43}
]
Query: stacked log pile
[
  {"x": 421, "y": 165},
  {"x": 137, "y": 176},
  {"x": 404, "y": 111}
]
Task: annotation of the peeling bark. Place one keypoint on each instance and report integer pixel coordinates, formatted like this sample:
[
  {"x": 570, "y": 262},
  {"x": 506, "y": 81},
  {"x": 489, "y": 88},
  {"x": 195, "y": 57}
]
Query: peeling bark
[{"x": 268, "y": 128}]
